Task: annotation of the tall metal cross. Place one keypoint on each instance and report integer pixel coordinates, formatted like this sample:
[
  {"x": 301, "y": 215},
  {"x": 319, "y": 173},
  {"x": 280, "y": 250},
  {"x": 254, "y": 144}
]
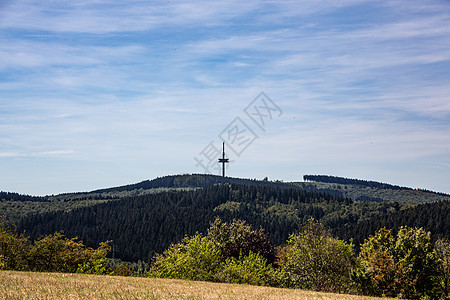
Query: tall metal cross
[{"x": 223, "y": 160}]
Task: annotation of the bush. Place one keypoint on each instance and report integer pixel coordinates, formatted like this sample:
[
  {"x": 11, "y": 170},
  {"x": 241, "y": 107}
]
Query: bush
[
  {"x": 56, "y": 253},
  {"x": 249, "y": 269},
  {"x": 406, "y": 266},
  {"x": 13, "y": 249},
  {"x": 238, "y": 238},
  {"x": 314, "y": 260},
  {"x": 52, "y": 253},
  {"x": 231, "y": 252},
  {"x": 442, "y": 248},
  {"x": 194, "y": 258}
]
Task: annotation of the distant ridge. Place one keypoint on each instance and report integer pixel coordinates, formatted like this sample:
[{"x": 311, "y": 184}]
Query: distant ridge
[
  {"x": 368, "y": 183},
  {"x": 192, "y": 181}
]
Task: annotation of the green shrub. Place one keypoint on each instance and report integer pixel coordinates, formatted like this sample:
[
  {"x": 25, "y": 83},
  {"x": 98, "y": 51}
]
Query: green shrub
[
  {"x": 13, "y": 248},
  {"x": 194, "y": 258},
  {"x": 52, "y": 253},
  {"x": 56, "y": 253},
  {"x": 406, "y": 266},
  {"x": 442, "y": 248},
  {"x": 314, "y": 260},
  {"x": 231, "y": 252},
  {"x": 97, "y": 267},
  {"x": 238, "y": 238},
  {"x": 249, "y": 269}
]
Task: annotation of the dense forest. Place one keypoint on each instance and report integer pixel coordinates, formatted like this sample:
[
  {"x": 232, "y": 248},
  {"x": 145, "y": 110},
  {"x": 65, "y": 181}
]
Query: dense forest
[
  {"x": 144, "y": 225},
  {"x": 189, "y": 181},
  {"x": 15, "y": 206},
  {"x": 8, "y": 196},
  {"x": 435, "y": 217}
]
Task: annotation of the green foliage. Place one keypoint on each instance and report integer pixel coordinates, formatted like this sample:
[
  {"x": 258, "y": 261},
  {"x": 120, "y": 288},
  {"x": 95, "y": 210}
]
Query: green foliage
[
  {"x": 13, "y": 248},
  {"x": 97, "y": 267},
  {"x": 194, "y": 258},
  {"x": 55, "y": 253},
  {"x": 213, "y": 258},
  {"x": 315, "y": 260},
  {"x": 237, "y": 238},
  {"x": 52, "y": 253},
  {"x": 406, "y": 266},
  {"x": 442, "y": 248},
  {"x": 121, "y": 270},
  {"x": 249, "y": 269}
]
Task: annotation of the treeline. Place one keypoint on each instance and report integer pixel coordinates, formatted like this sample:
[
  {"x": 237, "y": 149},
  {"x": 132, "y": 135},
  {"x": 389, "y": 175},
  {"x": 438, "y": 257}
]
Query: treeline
[
  {"x": 404, "y": 265},
  {"x": 435, "y": 217},
  {"x": 51, "y": 253},
  {"x": 57, "y": 253},
  {"x": 407, "y": 264},
  {"x": 342, "y": 180},
  {"x": 372, "y": 184},
  {"x": 8, "y": 196}
]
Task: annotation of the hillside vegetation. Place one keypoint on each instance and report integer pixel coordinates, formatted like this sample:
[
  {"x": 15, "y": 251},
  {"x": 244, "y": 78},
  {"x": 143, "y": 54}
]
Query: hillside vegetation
[
  {"x": 145, "y": 218},
  {"x": 363, "y": 190},
  {"x": 144, "y": 225},
  {"x": 15, "y": 206},
  {"x": 178, "y": 229},
  {"x": 406, "y": 265}
]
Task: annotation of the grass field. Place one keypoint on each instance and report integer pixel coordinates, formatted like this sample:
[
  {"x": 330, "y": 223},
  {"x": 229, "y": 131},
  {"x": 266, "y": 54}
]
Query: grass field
[{"x": 28, "y": 285}]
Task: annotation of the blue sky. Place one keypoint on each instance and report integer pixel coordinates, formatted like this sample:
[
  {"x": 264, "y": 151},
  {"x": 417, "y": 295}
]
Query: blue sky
[{"x": 96, "y": 94}]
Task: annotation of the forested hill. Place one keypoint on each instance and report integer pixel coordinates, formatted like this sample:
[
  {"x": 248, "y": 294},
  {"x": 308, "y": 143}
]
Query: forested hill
[
  {"x": 190, "y": 181},
  {"x": 140, "y": 226},
  {"x": 8, "y": 196},
  {"x": 15, "y": 206},
  {"x": 146, "y": 217},
  {"x": 367, "y": 183},
  {"x": 363, "y": 190},
  {"x": 143, "y": 225}
]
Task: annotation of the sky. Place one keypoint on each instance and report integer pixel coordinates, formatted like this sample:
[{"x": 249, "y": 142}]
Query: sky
[{"x": 96, "y": 94}]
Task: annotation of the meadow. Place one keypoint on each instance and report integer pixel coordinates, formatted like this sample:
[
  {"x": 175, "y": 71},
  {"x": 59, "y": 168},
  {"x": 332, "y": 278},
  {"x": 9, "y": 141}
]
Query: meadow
[{"x": 32, "y": 285}]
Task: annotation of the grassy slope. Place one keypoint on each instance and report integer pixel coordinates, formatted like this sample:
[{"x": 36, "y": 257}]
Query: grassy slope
[{"x": 27, "y": 285}]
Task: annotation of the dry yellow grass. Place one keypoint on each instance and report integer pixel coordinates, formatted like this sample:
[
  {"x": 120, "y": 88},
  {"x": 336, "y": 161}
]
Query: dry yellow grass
[{"x": 28, "y": 285}]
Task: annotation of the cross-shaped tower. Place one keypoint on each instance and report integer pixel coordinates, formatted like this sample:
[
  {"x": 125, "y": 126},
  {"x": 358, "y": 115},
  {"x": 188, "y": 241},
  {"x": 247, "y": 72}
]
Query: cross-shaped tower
[{"x": 223, "y": 160}]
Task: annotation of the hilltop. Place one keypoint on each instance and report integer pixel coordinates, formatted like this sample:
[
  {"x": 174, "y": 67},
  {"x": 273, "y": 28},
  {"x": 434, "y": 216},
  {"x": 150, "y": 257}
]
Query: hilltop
[{"x": 16, "y": 206}]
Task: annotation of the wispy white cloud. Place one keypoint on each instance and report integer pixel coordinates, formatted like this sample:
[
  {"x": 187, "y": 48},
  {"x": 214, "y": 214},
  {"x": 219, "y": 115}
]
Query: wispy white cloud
[
  {"x": 35, "y": 154},
  {"x": 104, "y": 17},
  {"x": 19, "y": 53}
]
